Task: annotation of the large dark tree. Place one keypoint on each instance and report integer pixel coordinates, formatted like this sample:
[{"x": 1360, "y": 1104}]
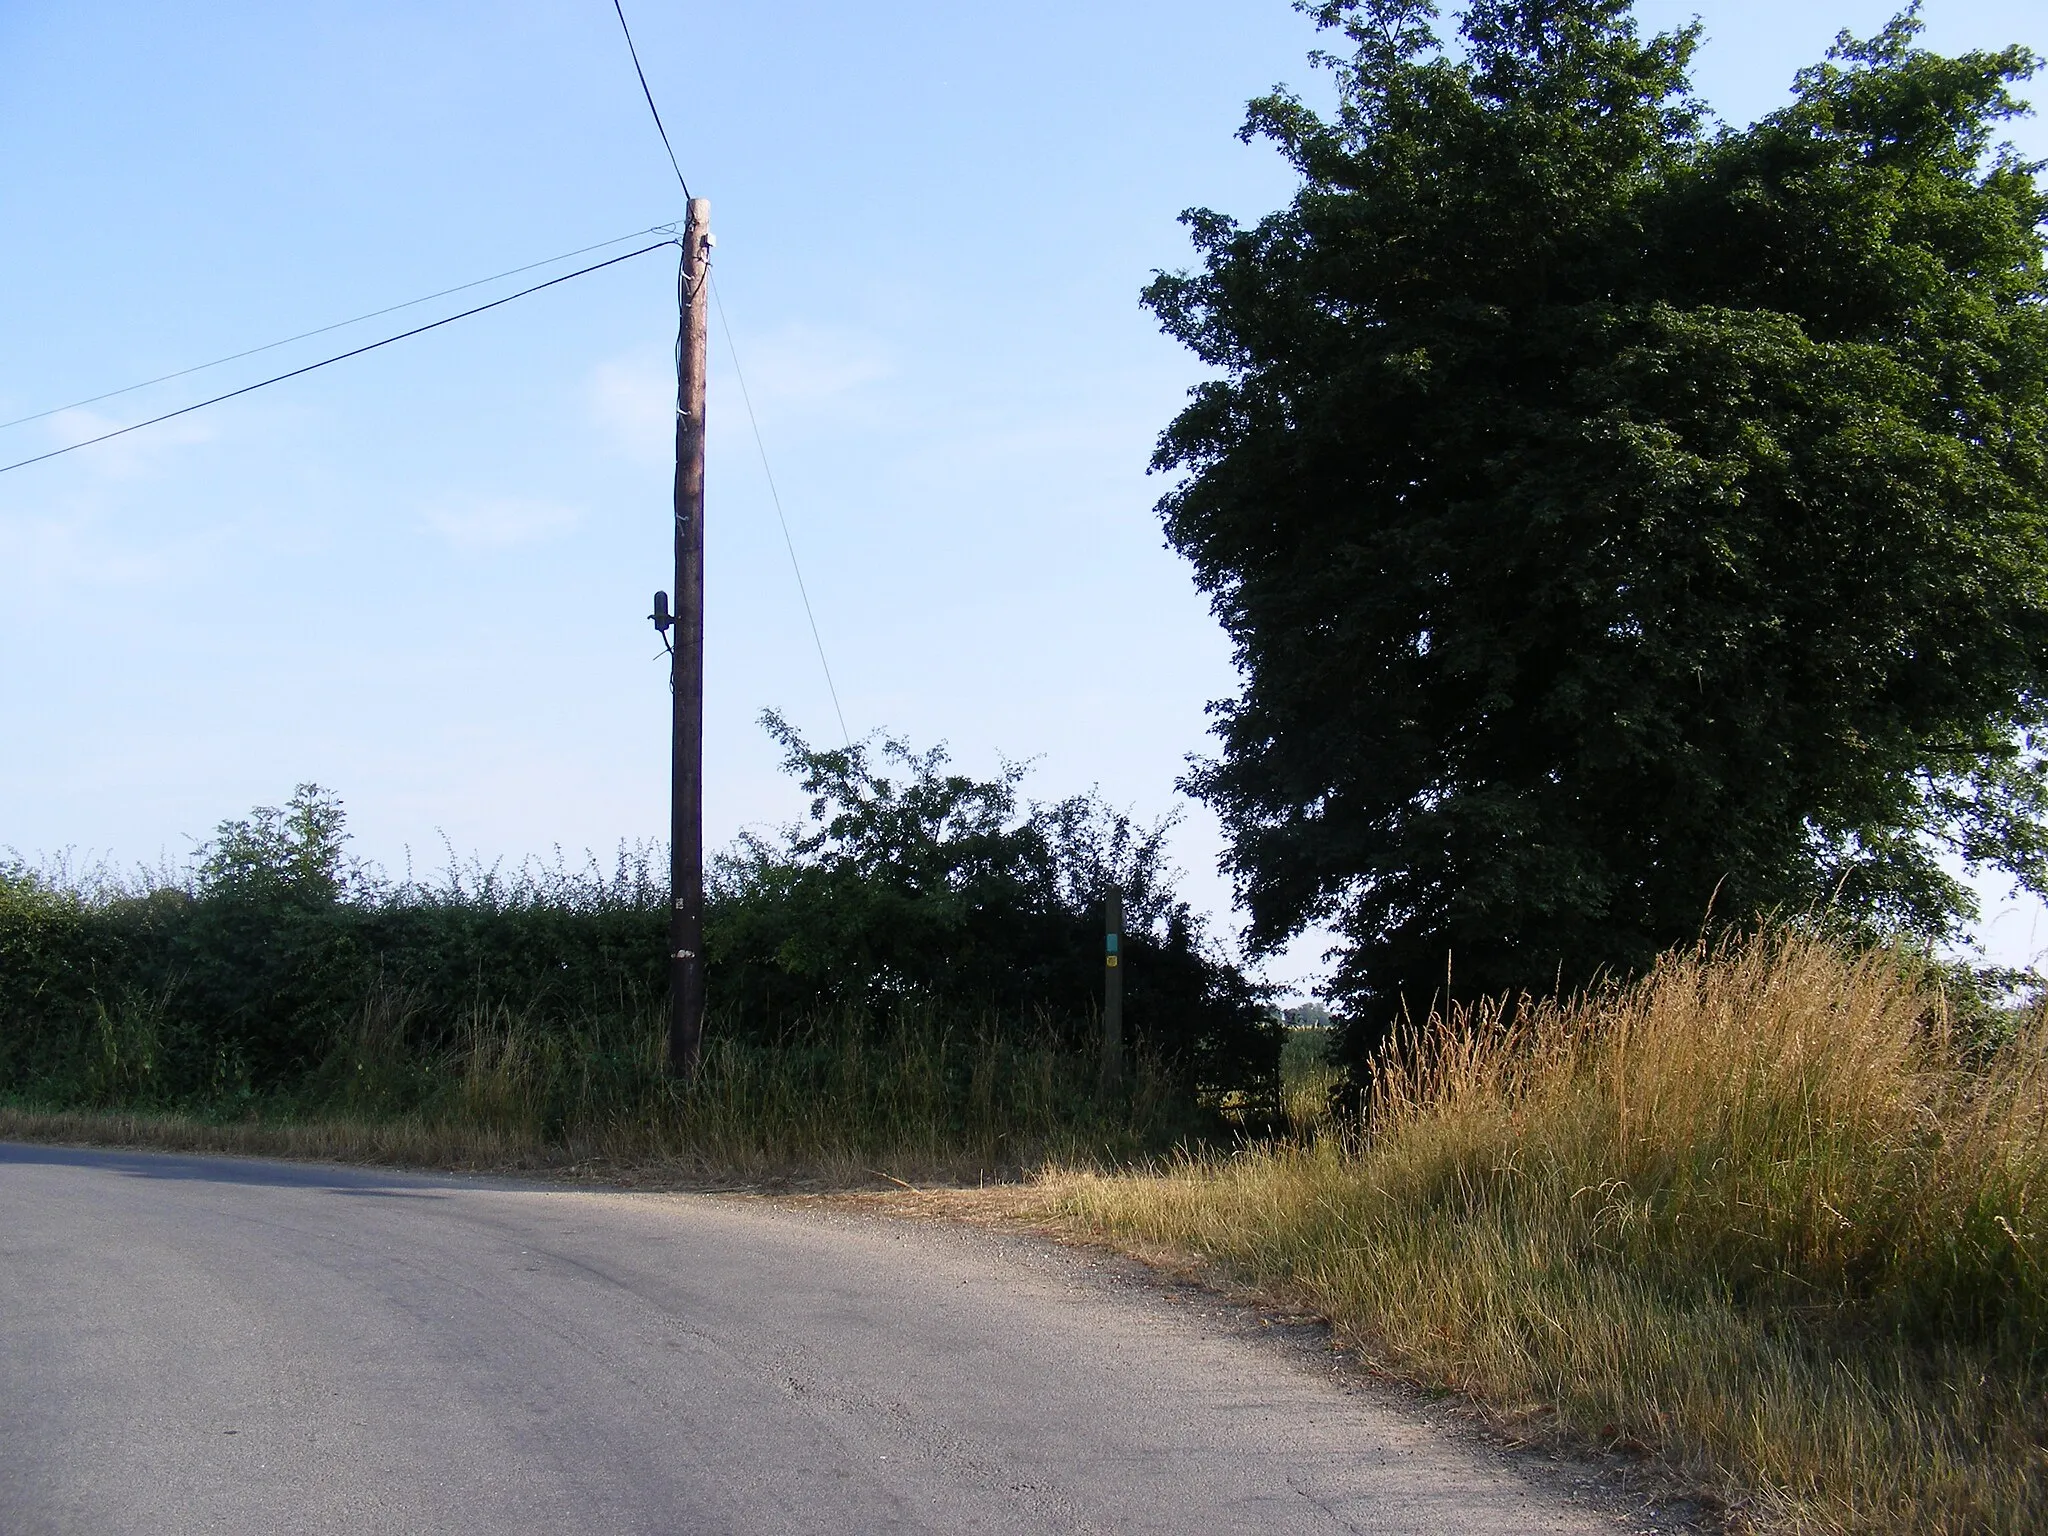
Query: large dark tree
[{"x": 1618, "y": 518}]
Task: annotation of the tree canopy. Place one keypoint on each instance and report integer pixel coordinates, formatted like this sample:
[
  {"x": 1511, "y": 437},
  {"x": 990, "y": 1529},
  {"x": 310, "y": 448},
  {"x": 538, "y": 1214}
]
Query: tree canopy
[
  {"x": 1618, "y": 516},
  {"x": 909, "y": 881}
]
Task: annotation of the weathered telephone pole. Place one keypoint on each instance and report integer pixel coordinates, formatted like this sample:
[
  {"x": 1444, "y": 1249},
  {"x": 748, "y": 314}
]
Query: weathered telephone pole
[{"x": 686, "y": 784}]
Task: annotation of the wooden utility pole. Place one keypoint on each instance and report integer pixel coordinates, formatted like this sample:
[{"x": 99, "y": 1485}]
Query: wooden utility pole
[
  {"x": 686, "y": 783},
  {"x": 1113, "y": 992}
]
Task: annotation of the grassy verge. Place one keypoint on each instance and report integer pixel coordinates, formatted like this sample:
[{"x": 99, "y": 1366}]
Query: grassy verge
[
  {"x": 1761, "y": 1214},
  {"x": 399, "y": 1144},
  {"x": 836, "y": 1099},
  {"x": 1764, "y": 1215}
]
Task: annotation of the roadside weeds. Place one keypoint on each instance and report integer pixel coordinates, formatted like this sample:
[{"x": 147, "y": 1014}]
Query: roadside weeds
[{"x": 1765, "y": 1225}]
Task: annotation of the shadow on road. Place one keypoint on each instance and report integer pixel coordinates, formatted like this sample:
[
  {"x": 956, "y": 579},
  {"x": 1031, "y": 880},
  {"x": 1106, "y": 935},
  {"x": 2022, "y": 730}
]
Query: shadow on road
[{"x": 373, "y": 1182}]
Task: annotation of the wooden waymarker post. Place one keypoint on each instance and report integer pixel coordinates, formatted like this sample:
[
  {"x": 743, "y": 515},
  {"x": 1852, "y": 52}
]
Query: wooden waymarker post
[{"x": 1113, "y": 992}]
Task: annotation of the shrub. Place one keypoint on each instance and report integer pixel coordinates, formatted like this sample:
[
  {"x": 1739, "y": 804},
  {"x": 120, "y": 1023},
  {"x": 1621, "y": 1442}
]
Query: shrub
[{"x": 909, "y": 891}]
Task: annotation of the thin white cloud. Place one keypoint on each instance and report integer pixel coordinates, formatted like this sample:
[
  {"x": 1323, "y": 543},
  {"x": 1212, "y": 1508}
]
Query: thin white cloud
[
  {"x": 791, "y": 370},
  {"x": 481, "y": 524},
  {"x": 129, "y": 456},
  {"x": 46, "y": 559},
  {"x": 632, "y": 400},
  {"x": 800, "y": 365}
]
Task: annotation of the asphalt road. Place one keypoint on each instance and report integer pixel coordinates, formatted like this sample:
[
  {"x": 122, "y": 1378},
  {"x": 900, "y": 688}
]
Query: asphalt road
[{"x": 224, "y": 1345}]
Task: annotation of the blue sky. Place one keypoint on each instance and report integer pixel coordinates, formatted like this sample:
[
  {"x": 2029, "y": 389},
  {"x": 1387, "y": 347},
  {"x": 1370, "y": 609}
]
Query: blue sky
[{"x": 420, "y": 577}]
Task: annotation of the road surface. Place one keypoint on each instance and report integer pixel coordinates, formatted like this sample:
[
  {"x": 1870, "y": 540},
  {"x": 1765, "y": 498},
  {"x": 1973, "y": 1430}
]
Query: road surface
[{"x": 227, "y": 1345}]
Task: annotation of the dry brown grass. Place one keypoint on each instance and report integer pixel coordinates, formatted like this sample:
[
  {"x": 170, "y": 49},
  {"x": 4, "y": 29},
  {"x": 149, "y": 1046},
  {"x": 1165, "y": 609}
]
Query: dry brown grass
[
  {"x": 403, "y": 1144},
  {"x": 925, "y": 1094},
  {"x": 931, "y": 1100},
  {"x": 1759, "y": 1214},
  {"x": 637, "y": 1157}
]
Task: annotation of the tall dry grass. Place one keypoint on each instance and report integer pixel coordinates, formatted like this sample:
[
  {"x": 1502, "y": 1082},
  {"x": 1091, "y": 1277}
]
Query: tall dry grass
[
  {"x": 923, "y": 1094},
  {"x": 1762, "y": 1213}
]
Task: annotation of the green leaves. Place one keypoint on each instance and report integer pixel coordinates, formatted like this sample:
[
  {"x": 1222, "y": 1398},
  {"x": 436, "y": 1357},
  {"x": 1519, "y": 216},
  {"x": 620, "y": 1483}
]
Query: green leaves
[
  {"x": 911, "y": 883},
  {"x": 1615, "y": 517},
  {"x": 294, "y": 852}
]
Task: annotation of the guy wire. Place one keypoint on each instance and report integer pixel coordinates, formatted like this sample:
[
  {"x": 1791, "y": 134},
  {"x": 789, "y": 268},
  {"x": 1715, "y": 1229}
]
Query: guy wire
[{"x": 775, "y": 495}]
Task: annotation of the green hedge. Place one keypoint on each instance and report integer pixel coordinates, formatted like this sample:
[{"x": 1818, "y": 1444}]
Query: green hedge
[{"x": 906, "y": 889}]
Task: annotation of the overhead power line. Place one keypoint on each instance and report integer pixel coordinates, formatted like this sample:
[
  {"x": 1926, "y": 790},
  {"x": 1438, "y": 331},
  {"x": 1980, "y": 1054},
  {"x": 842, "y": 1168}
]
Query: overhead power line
[
  {"x": 775, "y": 495},
  {"x": 644, "y": 91},
  {"x": 390, "y": 309},
  {"x": 337, "y": 358}
]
